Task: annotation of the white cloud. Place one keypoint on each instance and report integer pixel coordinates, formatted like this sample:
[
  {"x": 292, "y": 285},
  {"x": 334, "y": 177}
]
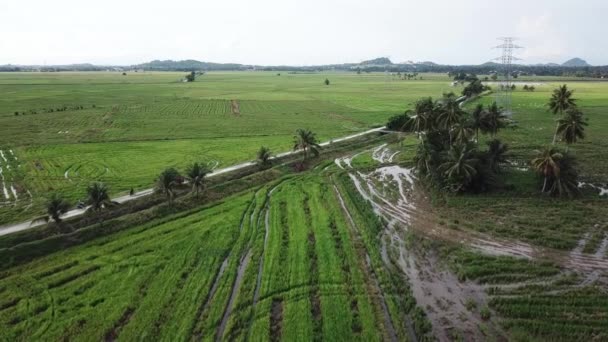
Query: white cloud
[
  {"x": 541, "y": 39},
  {"x": 297, "y": 32}
]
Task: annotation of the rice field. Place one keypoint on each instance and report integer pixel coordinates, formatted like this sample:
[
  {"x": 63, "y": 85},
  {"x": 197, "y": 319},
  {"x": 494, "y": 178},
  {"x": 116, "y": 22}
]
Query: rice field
[
  {"x": 286, "y": 262},
  {"x": 354, "y": 249},
  {"x": 69, "y": 129}
]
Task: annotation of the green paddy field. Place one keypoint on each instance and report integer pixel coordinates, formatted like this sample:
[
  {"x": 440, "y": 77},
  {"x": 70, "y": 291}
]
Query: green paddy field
[{"x": 352, "y": 249}]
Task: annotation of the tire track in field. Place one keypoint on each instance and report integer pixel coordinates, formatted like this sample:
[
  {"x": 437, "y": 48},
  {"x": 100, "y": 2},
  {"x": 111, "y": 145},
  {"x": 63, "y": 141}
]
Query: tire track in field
[
  {"x": 196, "y": 333},
  {"x": 314, "y": 291},
  {"x": 371, "y": 279},
  {"x": 265, "y": 213},
  {"x": 244, "y": 262}
]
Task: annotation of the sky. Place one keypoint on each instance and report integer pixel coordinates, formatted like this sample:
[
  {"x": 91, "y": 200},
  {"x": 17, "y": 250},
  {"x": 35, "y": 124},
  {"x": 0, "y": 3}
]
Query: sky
[{"x": 299, "y": 32}]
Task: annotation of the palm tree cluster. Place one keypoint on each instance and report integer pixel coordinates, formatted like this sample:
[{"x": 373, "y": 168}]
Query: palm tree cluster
[
  {"x": 556, "y": 167},
  {"x": 448, "y": 154},
  {"x": 170, "y": 178}
]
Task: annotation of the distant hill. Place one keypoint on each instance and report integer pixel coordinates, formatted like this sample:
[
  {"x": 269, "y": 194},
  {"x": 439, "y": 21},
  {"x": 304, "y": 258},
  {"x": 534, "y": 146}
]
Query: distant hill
[
  {"x": 188, "y": 65},
  {"x": 576, "y": 62},
  {"x": 378, "y": 61},
  {"x": 574, "y": 67}
]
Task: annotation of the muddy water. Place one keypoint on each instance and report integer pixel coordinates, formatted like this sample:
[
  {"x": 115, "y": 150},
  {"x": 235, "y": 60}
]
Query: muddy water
[{"x": 391, "y": 190}]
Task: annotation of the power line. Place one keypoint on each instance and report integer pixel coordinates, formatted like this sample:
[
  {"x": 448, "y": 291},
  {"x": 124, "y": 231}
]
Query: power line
[{"x": 506, "y": 72}]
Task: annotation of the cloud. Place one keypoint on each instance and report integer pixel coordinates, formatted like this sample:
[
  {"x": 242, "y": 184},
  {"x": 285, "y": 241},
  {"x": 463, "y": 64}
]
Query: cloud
[{"x": 541, "y": 39}]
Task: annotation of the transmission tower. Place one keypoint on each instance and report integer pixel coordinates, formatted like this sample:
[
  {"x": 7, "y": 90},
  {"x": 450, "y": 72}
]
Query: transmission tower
[{"x": 503, "y": 95}]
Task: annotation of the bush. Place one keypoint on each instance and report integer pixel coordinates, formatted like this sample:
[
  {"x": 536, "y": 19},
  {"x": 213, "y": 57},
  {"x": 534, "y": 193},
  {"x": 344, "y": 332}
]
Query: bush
[{"x": 396, "y": 123}]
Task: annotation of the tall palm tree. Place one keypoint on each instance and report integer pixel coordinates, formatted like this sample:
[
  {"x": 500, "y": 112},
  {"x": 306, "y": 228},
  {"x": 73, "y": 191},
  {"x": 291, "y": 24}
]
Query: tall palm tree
[
  {"x": 450, "y": 113},
  {"x": 560, "y": 101},
  {"x": 196, "y": 176},
  {"x": 56, "y": 207},
  {"x": 547, "y": 164},
  {"x": 477, "y": 120},
  {"x": 425, "y": 159},
  {"x": 98, "y": 196},
  {"x": 459, "y": 166},
  {"x": 264, "y": 155},
  {"x": 166, "y": 183},
  {"x": 306, "y": 141},
  {"x": 497, "y": 154},
  {"x": 423, "y": 117},
  {"x": 566, "y": 183},
  {"x": 416, "y": 123},
  {"x": 571, "y": 127},
  {"x": 494, "y": 119},
  {"x": 462, "y": 132}
]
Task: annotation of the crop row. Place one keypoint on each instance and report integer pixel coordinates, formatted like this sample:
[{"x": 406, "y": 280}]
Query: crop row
[{"x": 575, "y": 315}]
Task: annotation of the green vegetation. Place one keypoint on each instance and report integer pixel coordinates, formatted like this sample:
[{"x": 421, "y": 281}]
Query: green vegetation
[
  {"x": 534, "y": 299},
  {"x": 354, "y": 248},
  {"x": 283, "y": 262},
  {"x": 56, "y": 207},
  {"x": 447, "y": 156},
  {"x": 264, "y": 155},
  {"x": 75, "y": 128}
]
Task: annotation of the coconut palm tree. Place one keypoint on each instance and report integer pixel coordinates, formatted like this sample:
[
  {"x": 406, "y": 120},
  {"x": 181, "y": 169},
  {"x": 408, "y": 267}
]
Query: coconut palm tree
[
  {"x": 566, "y": 182},
  {"x": 494, "y": 119},
  {"x": 98, "y": 196},
  {"x": 196, "y": 176},
  {"x": 306, "y": 141},
  {"x": 450, "y": 113},
  {"x": 477, "y": 120},
  {"x": 264, "y": 155},
  {"x": 423, "y": 117},
  {"x": 55, "y": 207},
  {"x": 462, "y": 132},
  {"x": 547, "y": 164},
  {"x": 497, "y": 154},
  {"x": 571, "y": 127},
  {"x": 425, "y": 159},
  {"x": 560, "y": 101},
  {"x": 166, "y": 183},
  {"x": 459, "y": 166}
]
